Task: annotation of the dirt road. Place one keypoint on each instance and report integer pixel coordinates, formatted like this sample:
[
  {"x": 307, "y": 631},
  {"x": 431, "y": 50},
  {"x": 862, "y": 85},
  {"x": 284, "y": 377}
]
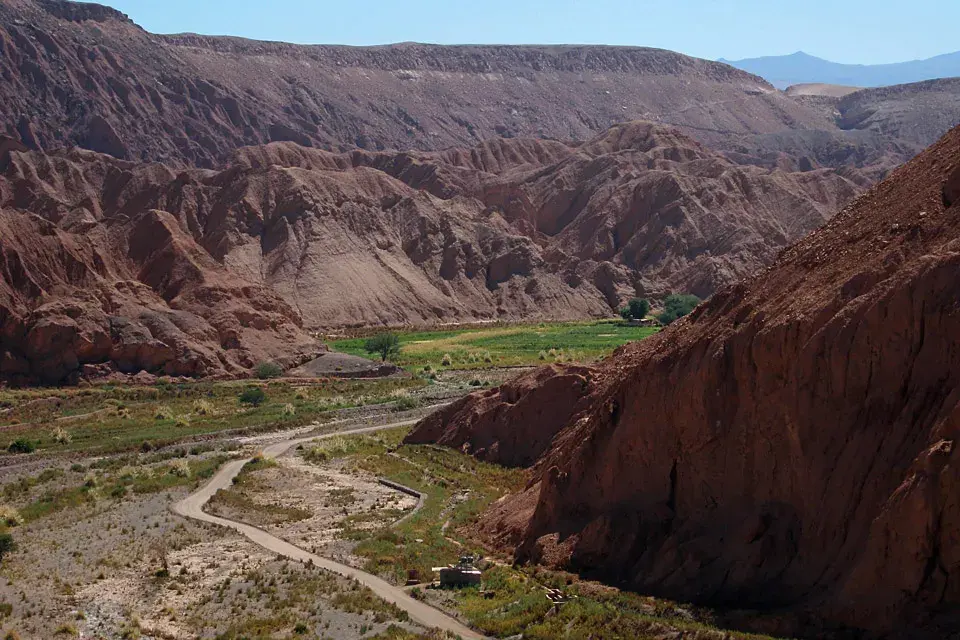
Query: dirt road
[{"x": 192, "y": 507}]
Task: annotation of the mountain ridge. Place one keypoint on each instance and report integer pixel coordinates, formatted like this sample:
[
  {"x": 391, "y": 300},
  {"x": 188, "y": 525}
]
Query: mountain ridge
[{"x": 803, "y": 68}]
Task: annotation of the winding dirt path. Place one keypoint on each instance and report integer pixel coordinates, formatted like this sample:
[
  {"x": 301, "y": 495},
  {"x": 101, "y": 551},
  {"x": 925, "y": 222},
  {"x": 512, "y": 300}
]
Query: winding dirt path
[{"x": 192, "y": 507}]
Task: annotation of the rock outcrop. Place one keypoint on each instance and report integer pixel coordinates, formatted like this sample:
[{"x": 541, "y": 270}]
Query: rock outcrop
[{"x": 790, "y": 446}]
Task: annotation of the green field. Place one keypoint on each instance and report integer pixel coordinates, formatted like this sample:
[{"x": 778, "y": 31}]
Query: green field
[
  {"x": 505, "y": 346},
  {"x": 114, "y": 418}
]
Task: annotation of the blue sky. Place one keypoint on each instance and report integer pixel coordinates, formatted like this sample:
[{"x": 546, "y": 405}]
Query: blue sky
[{"x": 852, "y": 31}]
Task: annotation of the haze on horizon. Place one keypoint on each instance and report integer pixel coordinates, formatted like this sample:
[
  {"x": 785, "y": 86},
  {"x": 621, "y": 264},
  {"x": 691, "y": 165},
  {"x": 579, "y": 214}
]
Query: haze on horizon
[{"x": 854, "y": 32}]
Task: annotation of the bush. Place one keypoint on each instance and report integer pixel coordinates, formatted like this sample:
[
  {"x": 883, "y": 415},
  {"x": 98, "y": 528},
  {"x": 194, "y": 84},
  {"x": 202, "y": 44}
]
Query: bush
[
  {"x": 7, "y": 544},
  {"x": 636, "y": 309},
  {"x": 180, "y": 468},
  {"x": 254, "y": 396},
  {"x": 60, "y": 436},
  {"x": 289, "y": 410},
  {"x": 406, "y": 403},
  {"x": 268, "y": 370},
  {"x": 10, "y": 517},
  {"x": 204, "y": 408},
  {"x": 447, "y": 360},
  {"x": 22, "y": 445},
  {"x": 385, "y": 345},
  {"x": 163, "y": 413},
  {"x": 676, "y": 306}
]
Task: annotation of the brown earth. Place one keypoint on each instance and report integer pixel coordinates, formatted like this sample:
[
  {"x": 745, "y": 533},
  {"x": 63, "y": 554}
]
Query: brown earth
[
  {"x": 197, "y": 272},
  {"x": 790, "y": 446},
  {"x": 84, "y": 75}
]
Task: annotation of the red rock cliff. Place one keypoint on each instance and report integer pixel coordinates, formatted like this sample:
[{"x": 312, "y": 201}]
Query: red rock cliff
[{"x": 791, "y": 444}]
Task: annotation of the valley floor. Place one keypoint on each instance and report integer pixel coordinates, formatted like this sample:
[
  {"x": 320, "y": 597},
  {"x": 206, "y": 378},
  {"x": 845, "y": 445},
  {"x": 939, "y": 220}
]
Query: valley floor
[{"x": 101, "y": 551}]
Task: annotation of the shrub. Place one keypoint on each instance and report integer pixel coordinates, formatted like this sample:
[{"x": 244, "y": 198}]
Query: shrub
[
  {"x": 76, "y": 467},
  {"x": 22, "y": 445},
  {"x": 7, "y": 544},
  {"x": 204, "y": 408},
  {"x": 406, "y": 404},
  {"x": 163, "y": 413},
  {"x": 475, "y": 382},
  {"x": 12, "y": 635},
  {"x": 385, "y": 345},
  {"x": 676, "y": 306},
  {"x": 289, "y": 410},
  {"x": 180, "y": 468},
  {"x": 487, "y": 357},
  {"x": 268, "y": 370},
  {"x": 447, "y": 361},
  {"x": 60, "y": 436},
  {"x": 301, "y": 629},
  {"x": 182, "y": 422},
  {"x": 10, "y": 517},
  {"x": 543, "y": 355},
  {"x": 254, "y": 396}
]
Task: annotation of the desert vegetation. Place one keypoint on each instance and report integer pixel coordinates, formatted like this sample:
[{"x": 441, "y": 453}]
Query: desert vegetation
[
  {"x": 113, "y": 418},
  {"x": 676, "y": 306},
  {"x": 492, "y": 346}
]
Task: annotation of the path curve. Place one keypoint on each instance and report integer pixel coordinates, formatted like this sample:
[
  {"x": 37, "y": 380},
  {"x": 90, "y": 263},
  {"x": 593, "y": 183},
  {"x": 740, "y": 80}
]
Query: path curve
[{"x": 192, "y": 507}]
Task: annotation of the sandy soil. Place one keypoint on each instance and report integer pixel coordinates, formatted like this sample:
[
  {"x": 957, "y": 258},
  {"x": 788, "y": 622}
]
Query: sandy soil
[{"x": 330, "y": 494}]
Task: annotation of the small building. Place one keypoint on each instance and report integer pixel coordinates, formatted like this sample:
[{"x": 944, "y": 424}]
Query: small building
[{"x": 462, "y": 574}]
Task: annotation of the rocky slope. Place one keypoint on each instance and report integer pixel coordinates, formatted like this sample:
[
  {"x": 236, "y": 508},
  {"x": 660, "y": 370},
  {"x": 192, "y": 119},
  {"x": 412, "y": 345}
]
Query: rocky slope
[
  {"x": 91, "y": 291},
  {"x": 289, "y": 236},
  {"x": 790, "y": 446},
  {"x": 85, "y": 75}
]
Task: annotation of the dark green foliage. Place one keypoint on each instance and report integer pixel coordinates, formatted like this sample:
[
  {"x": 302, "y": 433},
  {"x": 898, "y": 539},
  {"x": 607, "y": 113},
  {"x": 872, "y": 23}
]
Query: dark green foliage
[
  {"x": 254, "y": 396},
  {"x": 268, "y": 370},
  {"x": 7, "y": 544},
  {"x": 22, "y": 445},
  {"x": 385, "y": 345},
  {"x": 676, "y": 306},
  {"x": 636, "y": 309}
]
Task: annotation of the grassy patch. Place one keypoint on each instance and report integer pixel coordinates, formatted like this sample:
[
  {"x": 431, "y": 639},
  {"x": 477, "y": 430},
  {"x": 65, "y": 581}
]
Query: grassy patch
[
  {"x": 118, "y": 483},
  {"x": 507, "y": 346},
  {"x": 519, "y": 605},
  {"x": 458, "y": 487},
  {"x": 111, "y": 418}
]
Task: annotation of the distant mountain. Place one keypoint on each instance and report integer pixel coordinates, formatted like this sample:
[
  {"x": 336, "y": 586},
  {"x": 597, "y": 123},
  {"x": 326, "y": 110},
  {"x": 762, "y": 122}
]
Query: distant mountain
[{"x": 801, "y": 68}]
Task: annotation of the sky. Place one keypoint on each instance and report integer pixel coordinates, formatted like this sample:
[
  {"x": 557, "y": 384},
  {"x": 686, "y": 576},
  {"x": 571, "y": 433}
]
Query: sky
[{"x": 848, "y": 31}]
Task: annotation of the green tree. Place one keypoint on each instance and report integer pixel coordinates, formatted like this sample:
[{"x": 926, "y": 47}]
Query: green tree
[
  {"x": 636, "y": 309},
  {"x": 676, "y": 306},
  {"x": 639, "y": 308},
  {"x": 267, "y": 370},
  {"x": 7, "y": 544},
  {"x": 385, "y": 345}
]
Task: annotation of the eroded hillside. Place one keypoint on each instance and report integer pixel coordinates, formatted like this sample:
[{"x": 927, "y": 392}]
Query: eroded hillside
[{"x": 790, "y": 446}]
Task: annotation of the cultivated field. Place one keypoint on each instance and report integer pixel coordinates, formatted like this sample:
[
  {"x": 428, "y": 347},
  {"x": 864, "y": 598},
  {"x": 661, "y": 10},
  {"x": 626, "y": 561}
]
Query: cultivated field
[{"x": 506, "y": 346}]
